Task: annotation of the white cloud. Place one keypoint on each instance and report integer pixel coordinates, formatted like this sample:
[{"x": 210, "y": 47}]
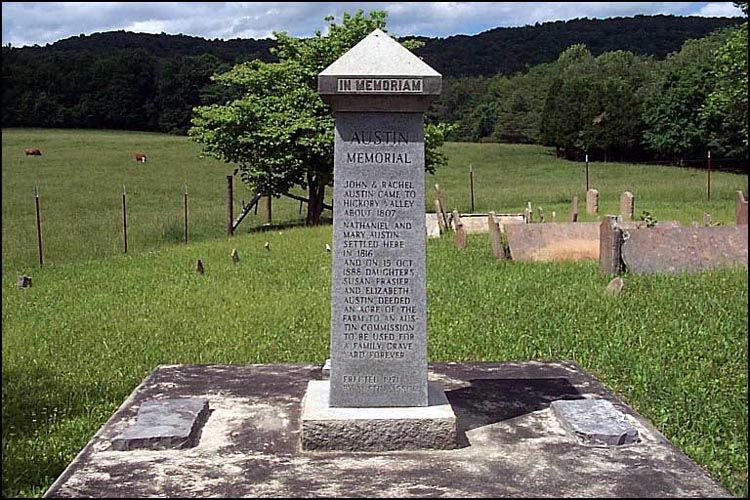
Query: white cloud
[{"x": 719, "y": 9}]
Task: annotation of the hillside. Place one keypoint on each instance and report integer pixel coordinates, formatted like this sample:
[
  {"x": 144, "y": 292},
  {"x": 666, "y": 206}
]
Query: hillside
[
  {"x": 508, "y": 50},
  {"x": 138, "y": 81},
  {"x": 499, "y": 50}
]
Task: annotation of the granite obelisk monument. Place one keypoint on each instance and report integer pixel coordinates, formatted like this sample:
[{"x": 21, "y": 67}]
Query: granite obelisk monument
[{"x": 379, "y": 92}]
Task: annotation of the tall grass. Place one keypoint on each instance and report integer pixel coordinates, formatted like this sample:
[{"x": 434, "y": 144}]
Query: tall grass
[
  {"x": 81, "y": 174},
  {"x": 96, "y": 321}
]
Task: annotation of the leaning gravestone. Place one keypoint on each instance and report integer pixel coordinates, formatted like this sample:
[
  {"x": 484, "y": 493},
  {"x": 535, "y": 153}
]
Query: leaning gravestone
[{"x": 379, "y": 92}]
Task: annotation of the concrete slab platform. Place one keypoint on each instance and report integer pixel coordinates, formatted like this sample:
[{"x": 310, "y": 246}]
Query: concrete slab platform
[
  {"x": 325, "y": 428},
  {"x": 510, "y": 443}
]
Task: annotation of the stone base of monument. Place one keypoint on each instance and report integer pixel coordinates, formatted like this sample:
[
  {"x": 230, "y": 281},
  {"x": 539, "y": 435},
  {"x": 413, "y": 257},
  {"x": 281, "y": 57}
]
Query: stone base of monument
[
  {"x": 525, "y": 429},
  {"x": 376, "y": 429}
]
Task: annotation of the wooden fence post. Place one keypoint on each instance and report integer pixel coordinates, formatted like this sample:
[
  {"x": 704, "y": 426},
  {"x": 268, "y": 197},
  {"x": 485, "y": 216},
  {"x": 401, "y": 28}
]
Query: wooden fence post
[
  {"x": 708, "y": 177},
  {"x": 38, "y": 226},
  {"x": 186, "y": 215},
  {"x": 471, "y": 182},
  {"x": 230, "y": 212},
  {"x": 124, "y": 219}
]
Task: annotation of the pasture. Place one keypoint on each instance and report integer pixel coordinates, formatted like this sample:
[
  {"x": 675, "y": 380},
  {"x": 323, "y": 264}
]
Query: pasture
[{"x": 96, "y": 321}]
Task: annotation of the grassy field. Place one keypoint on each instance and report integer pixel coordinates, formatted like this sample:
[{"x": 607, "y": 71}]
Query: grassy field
[{"x": 96, "y": 321}]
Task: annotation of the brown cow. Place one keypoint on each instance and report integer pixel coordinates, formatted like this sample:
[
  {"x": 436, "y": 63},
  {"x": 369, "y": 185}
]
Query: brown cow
[
  {"x": 141, "y": 157},
  {"x": 32, "y": 152}
]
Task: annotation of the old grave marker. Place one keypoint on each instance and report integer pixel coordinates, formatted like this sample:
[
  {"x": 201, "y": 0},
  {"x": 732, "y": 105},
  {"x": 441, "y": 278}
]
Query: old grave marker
[
  {"x": 379, "y": 92},
  {"x": 592, "y": 202},
  {"x": 627, "y": 206}
]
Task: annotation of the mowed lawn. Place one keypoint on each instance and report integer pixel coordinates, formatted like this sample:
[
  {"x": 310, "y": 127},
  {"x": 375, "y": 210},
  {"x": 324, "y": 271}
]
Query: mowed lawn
[{"x": 96, "y": 321}]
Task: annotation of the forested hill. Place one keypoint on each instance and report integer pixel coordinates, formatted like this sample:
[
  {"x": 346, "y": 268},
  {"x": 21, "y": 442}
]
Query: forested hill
[
  {"x": 130, "y": 81},
  {"x": 164, "y": 46},
  {"x": 508, "y": 50},
  {"x": 500, "y": 50}
]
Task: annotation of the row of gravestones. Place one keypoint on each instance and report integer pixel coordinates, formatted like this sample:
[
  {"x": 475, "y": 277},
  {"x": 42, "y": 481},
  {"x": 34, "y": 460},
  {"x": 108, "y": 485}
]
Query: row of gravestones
[{"x": 622, "y": 245}]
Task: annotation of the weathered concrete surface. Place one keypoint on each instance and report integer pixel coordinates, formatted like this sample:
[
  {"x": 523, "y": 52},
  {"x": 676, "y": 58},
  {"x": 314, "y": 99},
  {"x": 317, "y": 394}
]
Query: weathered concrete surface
[
  {"x": 510, "y": 444},
  {"x": 477, "y": 223},
  {"x": 325, "y": 428},
  {"x": 165, "y": 424},
  {"x": 673, "y": 250},
  {"x": 553, "y": 241}
]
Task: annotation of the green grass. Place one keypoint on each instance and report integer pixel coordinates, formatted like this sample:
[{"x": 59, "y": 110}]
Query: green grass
[
  {"x": 96, "y": 321},
  {"x": 506, "y": 177}
]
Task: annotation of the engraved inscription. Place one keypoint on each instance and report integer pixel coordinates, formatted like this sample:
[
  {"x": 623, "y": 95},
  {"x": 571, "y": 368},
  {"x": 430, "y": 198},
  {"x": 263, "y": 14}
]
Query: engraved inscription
[
  {"x": 378, "y": 337},
  {"x": 380, "y": 85}
]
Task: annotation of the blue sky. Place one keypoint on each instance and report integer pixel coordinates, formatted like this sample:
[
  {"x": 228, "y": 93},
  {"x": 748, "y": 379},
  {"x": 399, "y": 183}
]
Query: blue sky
[{"x": 29, "y": 23}]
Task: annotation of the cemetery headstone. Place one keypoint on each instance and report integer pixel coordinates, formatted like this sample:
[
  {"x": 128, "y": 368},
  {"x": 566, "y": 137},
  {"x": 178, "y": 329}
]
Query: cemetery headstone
[
  {"x": 495, "y": 236},
  {"x": 440, "y": 219},
  {"x": 441, "y": 203},
  {"x": 627, "y": 206},
  {"x": 460, "y": 230},
  {"x": 592, "y": 202},
  {"x": 574, "y": 209},
  {"x": 610, "y": 240},
  {"x": 379, "y": 92}
]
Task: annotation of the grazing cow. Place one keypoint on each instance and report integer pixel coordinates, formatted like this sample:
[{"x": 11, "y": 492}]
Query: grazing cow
[
  {"x": 141, "y": 157},
  {"x": 33, "y": 152}
]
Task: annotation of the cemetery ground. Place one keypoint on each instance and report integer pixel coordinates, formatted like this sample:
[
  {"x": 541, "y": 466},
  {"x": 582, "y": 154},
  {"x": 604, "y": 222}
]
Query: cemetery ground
[{"x": 96, "y": 321}]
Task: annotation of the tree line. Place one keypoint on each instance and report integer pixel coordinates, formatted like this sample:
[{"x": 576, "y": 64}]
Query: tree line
[
  {"x": 614, "y": 106},
  {"x": 152, "y": 82}
]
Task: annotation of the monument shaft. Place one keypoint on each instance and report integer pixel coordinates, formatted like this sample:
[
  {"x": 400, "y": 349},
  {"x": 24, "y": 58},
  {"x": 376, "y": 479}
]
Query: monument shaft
[{"x": 379, "y": 306}]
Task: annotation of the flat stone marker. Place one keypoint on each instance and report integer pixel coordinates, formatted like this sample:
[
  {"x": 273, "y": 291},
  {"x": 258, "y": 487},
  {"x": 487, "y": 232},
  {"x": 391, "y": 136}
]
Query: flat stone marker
[
  {"x": 553, "y": 241},
  {"x": 595, "y": 422},
  {"x": 674, "y": 250},
  {"x": 477, "y": 223},
  {"x": 165, "y": 424}
]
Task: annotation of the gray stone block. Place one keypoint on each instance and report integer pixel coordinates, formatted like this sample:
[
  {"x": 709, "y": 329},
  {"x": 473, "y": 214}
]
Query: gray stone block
[
  {"x": 165, "y": 424},
  {"x": 325, "y": 428},
  {"x": 594, "y": 422}
]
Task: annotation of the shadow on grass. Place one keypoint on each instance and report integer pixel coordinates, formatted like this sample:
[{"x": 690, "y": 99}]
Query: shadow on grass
[{"x": 285, "y": 225}]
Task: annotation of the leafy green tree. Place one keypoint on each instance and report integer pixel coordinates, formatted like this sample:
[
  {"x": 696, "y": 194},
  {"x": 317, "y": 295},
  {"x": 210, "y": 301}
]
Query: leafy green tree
[
  {"x": 182, "y": 83},
  {"x": 725, "y": 110},
  {"x": 674, "y": 125},
  {"x": 565, "y": 111},
  {"x": 280, "y": 133},
  {"x": 612, "y": 123}
]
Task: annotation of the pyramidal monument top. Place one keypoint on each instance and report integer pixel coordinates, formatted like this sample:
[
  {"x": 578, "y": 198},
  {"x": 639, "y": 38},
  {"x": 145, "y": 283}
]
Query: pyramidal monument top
[{"x": 379, "y": 55}]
